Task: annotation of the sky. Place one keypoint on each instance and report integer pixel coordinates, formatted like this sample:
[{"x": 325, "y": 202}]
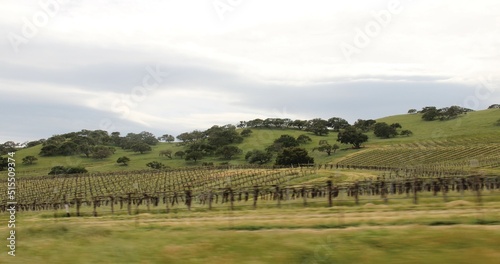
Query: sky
[{"x": 169, "y": 67}]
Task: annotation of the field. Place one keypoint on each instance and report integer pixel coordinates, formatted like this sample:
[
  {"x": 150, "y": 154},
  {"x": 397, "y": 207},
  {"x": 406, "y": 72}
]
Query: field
[
  {"x": 432, "y": 197},
  {"x": 455, "y": 232}
]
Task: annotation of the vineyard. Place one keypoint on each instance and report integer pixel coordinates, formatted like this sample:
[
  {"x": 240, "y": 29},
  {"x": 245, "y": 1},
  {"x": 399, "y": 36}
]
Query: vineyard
[
  {"x": 228, "y": 188},
  {"x": 436, "y": 157}
]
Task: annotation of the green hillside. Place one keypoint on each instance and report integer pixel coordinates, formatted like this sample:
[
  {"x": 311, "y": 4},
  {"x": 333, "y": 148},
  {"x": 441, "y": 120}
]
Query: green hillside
[
  {"x": 259, "y": 139},
  {"x": 471, "y": 141},
  {"x": 473, "y": 129}
]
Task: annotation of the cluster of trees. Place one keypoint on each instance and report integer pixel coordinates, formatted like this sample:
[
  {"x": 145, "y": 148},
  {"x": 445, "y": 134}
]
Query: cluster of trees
[
  {"x": 97, "y": 144},
  {"x": 9, "y": 146},
  {"x": 317, "y": 126},
  {"x": 140, "y": 142},
  {"x": 56, "y": 170},
  {"x": 287, "y": 150},
  {"x": 89, "y": 143},
  {"x": 216, "y": 141},
  {"x": 431, "y": 113},
  {"x": 364, "y": 125},
  {"x": 494, "y": 106},
  {"x": 384, "y": 130},
  {"x": 156, "y": 165}
]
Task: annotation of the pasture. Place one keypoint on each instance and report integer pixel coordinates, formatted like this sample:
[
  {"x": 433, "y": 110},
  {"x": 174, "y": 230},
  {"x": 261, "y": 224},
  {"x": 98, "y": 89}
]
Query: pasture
[{"x": 453, "y": 232}]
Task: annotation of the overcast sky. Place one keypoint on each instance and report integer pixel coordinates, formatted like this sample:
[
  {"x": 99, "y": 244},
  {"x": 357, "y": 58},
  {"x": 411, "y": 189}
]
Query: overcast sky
[{"x": 175, "y": 66}]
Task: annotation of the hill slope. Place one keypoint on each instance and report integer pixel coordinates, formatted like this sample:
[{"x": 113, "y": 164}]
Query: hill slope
[
  {"x": 475, "y": 129},
  {"x": 469, "y": 142}
]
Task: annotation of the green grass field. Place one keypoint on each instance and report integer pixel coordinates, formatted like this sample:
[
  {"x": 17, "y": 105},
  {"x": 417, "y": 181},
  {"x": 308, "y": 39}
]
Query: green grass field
[{"x": 450, "y": 233}]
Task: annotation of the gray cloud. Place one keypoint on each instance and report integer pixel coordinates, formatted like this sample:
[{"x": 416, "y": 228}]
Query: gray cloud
[{"x": 286, "y": 62}]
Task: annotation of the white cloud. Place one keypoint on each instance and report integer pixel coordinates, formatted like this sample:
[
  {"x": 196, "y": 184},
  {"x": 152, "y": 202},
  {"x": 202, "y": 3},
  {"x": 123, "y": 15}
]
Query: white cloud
[{"x": 265, "y": 55}]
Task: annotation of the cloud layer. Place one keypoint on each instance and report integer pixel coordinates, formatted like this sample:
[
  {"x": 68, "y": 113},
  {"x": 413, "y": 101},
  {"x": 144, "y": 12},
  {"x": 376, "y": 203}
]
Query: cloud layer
[{"x": 174, "y": 66}]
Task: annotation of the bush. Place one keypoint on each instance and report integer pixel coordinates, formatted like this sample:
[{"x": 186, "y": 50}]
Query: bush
[
  {"x": 156, "y": 165},
  {"x": 246, "y": 132},
  {"x": 102, "y": 152},
  {"x": 180, "y": 154},
  {"x": 124, "y": 160},
  {"x": 304, "y": 139},
  {"x": 67, "y": 170},
  {"x": 258, "y": 156},
  {"x": 28, "y": 160}
]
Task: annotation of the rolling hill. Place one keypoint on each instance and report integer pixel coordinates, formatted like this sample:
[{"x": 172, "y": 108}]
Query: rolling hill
[{"x": 475, "y": 130}]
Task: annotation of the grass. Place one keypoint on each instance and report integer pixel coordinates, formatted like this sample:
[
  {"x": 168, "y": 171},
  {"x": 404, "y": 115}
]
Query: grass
[
  {"x": 474, "y": 125},
  {"x": 462, "y": 140},
  {"x": 308, "y": 235}
]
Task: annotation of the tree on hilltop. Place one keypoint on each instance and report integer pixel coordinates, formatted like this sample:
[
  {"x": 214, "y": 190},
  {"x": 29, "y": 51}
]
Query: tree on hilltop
[
  {"x": 318, "y": 126},
  {"x": 167, "y": 138},
  {"x": 352, "y": 136},
  {"x": 494, "y": 106},
  {"x": 337, "y": 123}
]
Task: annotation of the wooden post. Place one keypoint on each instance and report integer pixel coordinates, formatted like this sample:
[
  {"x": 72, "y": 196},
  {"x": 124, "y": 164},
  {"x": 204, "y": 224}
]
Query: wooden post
[
  {"x": 167, "y": 209},
  {"x": 478, "y": 189},
  {"x": 94, "y": 203},
  {"x": 444, "y": 189},
  {"x": 255, "y": 196},
  {"x": 356, "y": 193},
  {"x": 383, "y": 191},
  {"x": 231, "y": 198},
  {"x": 329, "y": 190},
  {"x": 148, "y": 202},
  {"x": 277, "y": 195},
  {"x": 304, "y": 195},
  {"x": 415, "y": 195},
  {"x": 129, "y": 203},
  {"x": 137, "y": 207},
  {"x": 112, "y": 204},
  {"x": 210, "y": 199},
  {"x": 78, "y": 205},
  {"x": 188, "y": 199}
]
